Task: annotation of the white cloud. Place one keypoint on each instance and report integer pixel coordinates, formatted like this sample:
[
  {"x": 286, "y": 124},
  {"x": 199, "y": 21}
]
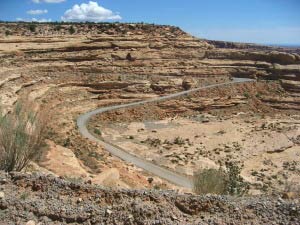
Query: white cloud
[
  {"x": 43, "y": 20},
  {"x": 89, "y": 12},
  {"x": 48, "y": 1},
  {"x": 37, "y": 12}
]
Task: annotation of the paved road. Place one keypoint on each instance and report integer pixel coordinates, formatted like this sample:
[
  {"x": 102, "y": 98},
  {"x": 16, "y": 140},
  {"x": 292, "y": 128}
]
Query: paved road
[{"x": 164, "y": 173}]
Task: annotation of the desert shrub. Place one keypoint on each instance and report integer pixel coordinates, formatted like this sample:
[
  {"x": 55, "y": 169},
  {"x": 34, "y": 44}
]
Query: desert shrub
[
  {"x": 220, "y": 181},
  {"x": 32, "y": 27},
  {"x": 258, "y": 95},
  {"x": 178, "y": 141},
  {"x": 154, "y": 142},
  {"x": 247, "y": 95},
  {"x": 235, "y": 184},
  {"x": 24, "y": 196},
  {"x": 210, "y": 181},
  {"x": 7, "y": 33},
  {"x": 57, "y": 27},
  {"x": 97, "y": 131},
  {"x": 72, "y": 30},
  {"x": 21, "y": 136},
  {"x": 67, "y": 142}
]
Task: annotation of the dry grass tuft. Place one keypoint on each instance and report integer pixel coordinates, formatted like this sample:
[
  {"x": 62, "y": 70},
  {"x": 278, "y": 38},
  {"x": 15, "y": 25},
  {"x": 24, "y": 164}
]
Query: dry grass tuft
[{"x": 21, "y": 136}]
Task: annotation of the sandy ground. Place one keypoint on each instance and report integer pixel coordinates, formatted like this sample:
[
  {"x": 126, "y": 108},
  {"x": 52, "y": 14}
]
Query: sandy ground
[{"x": 264, "y": 145}]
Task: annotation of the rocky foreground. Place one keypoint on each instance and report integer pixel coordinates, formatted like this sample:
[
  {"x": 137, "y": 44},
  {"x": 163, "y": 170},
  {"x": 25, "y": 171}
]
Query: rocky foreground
[{"x": 38, "y": 199}]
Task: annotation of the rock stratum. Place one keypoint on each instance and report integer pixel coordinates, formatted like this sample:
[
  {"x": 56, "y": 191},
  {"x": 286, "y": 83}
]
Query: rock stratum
[{"x": 117, "y": 50}]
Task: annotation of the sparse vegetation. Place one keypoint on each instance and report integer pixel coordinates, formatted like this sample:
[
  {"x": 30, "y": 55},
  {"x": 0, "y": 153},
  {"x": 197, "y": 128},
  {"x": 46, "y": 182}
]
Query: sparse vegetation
[
  {"x": 24, "y": 196},
  {"x": 67, "y": 142},
  {"x": 32, "y": 27},
  {"x": 220, "y": 181},
  {"x": 154, "y": 142},
  {"x": 211, "y": 181},
  {"x": 246, "y": 94},
  {"x": 75, "y": 180},
  {"x": 236, "y": 184},
  {"x": 97, "y": 131},
  {"x": 7, "y": 33},
  {"x": 72, "y": 30},
  {"x": 57, "y": 27},
  {"x": 178, "y": 141},
  {"x": 21, "y": 136}
]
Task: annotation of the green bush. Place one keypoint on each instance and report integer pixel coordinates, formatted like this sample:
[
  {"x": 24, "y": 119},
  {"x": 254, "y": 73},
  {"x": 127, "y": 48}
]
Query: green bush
[
  {"x": 220, "y": 181},
  {"x": 211, "y": 181},
  {"x": 7, "y": 33},
  {"x": 72, "y": 30},
  {"x": 235, "y": 184},
  {"x": 178, "y": 141},
  {"x": 97, "y": 131},
  {"x": 32, "y": 27},
  {"x": 246, "y": 94},
  {"x": 21, "y": 137},
  {"x": 57, "y": 27}
]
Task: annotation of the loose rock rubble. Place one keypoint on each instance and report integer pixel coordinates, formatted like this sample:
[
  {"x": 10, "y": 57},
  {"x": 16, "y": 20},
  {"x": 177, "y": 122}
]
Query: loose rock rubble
[{"x": 40, "y": 199}]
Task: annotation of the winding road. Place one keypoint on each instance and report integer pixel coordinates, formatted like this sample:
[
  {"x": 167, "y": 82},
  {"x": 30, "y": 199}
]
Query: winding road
[{"x": 159, "y": 171}]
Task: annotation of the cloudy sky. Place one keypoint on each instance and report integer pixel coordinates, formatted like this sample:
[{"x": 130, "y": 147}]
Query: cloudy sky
[{"x": 260, "y": 21}]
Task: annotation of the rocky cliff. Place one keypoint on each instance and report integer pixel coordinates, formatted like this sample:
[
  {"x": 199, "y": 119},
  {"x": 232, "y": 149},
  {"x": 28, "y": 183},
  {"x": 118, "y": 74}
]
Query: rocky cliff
[{"x": 141, "y": 49}]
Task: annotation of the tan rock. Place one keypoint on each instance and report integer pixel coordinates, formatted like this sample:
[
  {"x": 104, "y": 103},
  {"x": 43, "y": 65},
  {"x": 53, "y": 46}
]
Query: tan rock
[
  {"x": 110, "y": 177},
  {"x": 31, "y": 222},
  {"x": 2, "y": 195},
  {"x": 291, "y": 195},
  {"x": 63, "y": 162},
  {"x": 188, "y": 83}
]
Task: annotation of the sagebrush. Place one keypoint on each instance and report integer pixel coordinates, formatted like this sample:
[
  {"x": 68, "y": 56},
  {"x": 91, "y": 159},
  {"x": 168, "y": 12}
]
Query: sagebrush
[
  {"x": 210, "y": 181},
  {"x": 21, "y": 136},
  {"x": 220, "y": 181}
]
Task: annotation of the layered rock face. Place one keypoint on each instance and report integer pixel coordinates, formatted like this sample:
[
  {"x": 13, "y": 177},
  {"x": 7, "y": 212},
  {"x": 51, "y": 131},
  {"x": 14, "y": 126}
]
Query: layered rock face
[{"x": 143, "y": 50}]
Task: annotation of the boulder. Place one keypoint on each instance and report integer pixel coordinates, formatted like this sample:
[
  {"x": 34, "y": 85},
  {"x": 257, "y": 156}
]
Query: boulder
[
  {"x": 130, "y": 57},
  {"x": 30, "y": 222},
  {"x": 161, "y": 86},
  {"x": 2, "y": 195},
  {"x": 188, "y": 83}
]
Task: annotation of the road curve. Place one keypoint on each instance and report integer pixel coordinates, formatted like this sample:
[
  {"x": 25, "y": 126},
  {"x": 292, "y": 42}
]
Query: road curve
[{"x": 162, "y": 172}]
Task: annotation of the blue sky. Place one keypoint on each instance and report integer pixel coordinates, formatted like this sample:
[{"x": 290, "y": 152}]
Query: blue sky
[{"x": 259, "y": 21}]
